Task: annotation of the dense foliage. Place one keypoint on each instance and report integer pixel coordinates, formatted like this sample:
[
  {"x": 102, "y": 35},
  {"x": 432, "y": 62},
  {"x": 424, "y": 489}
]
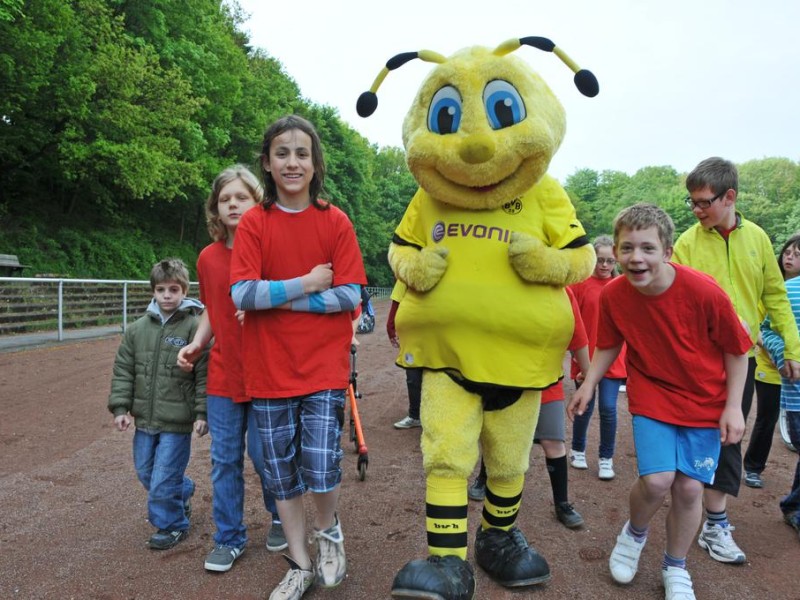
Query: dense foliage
[
  {"x": 769, "y": 194},
  {"x": 117, "y": 114}
]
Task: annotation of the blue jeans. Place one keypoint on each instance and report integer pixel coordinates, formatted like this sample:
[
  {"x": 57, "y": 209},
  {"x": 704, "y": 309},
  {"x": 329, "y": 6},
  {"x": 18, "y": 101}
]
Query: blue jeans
[
  {"x": 791, "y": 503},
  {"x": 160, "y": 459},
  {"x": 607, "y": 390},
  {"x": 232, "y": 427}
]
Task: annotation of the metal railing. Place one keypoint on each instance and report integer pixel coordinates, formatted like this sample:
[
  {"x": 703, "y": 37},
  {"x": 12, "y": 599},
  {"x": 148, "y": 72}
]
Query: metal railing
[
  {"x": 35, "y": 304},
  {"x": 32, "y": 304}
]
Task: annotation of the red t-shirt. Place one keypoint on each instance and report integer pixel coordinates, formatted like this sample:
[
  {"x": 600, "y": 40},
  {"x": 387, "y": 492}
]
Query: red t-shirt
[
  {"x": 225, "y": 374},
  {"x": 287, "y": 353},
  {"x": 676, "y": 342},
  {"x": 579, "y": 340},
  {"x": 587, "y": 293}
]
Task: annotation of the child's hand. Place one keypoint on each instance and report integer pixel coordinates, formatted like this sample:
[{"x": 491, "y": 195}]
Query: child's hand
[
  {"x": 793, "y": 369},
  {"x": 122, "y": 422},
  {"x": 578, "y": 402},
  {"x": 200, "y": 427},
  {"x": 187, "y": 355},
  {"x": 731, "y": 426},
  {"x": 318, "y": 279},
  {"x": 240, "y": 316}
]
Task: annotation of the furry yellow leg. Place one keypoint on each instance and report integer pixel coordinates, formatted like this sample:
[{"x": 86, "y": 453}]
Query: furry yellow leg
[
  {"x": 503, "y": 498},
  {"x": 453, "y": 419},
  {"x": 446, "y": 516},
  {"x": 507, "y": 437}
]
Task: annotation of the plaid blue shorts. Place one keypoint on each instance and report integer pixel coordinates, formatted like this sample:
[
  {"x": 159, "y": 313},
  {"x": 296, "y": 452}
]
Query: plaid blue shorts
[{"x": 302, "y": 442}]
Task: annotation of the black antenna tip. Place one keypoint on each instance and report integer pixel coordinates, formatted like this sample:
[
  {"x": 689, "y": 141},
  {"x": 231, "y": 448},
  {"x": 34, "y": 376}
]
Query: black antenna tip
[
  {"x": 366, "y": 105},
  {"x": 587, "y": 83}
]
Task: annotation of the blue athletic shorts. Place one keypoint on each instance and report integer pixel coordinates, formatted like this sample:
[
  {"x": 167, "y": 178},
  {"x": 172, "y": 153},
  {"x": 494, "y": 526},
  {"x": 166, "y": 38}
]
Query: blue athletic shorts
[
  {"x": 302, "y": 442},
  {"x": 694, "y": 451}
]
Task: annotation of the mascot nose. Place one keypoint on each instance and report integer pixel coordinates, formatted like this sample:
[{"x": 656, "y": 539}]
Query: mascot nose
[{"x": 477, "y": 149}]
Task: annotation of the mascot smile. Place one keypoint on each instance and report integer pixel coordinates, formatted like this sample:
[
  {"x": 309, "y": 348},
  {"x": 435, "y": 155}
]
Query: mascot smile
[{"x": 486, "y": 247}]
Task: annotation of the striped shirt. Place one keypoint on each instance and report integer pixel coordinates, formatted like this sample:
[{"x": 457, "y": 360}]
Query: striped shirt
[{"x": 790, "y": 390}]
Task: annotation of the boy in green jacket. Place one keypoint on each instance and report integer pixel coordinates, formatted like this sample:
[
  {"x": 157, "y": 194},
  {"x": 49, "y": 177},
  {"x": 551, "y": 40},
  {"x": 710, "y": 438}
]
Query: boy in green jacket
[{"x": 166, "y": 402}]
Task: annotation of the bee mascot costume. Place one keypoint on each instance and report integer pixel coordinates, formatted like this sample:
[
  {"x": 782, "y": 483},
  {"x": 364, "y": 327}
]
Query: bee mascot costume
[{"x": 486, "y": 247}]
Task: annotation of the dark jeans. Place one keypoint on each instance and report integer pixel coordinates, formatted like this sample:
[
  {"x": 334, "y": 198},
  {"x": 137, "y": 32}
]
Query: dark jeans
[
  {"x": 607, "y": 391},
  {"x": 791, "y": 503},
  {"x": 728, "y": 477},
  {"x": 414, "y": 384},
  {"x": 768, "y": 408}
]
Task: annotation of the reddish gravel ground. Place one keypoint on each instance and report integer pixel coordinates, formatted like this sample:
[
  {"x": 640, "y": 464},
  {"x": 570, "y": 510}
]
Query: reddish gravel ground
[{"x": 73, "y": 517}]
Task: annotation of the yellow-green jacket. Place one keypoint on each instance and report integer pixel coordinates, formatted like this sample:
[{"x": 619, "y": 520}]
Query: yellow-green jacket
[{"x": 744, "y": 266}]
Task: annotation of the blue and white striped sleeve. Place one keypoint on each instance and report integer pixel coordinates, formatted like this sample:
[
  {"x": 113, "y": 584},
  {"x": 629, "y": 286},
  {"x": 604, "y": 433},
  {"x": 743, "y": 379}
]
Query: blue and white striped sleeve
[
  {"x": 341, "y": 298},
  {"x": 259, "y": 294},
  {"x": 773, "y": 343}
]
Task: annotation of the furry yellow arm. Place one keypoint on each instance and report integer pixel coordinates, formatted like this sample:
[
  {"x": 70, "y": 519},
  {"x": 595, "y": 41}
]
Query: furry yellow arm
[
  {"x": 420, "y": 270},
  {"x": 537, "y": 263}
]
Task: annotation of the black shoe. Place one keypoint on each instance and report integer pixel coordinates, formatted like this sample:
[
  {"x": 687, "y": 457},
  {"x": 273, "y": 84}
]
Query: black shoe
[
  {"x": 568, "y": 516},
  {"x": 164, "y": 539},
  {"x": 792, "y": 519},
  {"x": 508, "y": 559},
  {"x": 435, "y": 578},
  {"x": 477, "y": 491}
]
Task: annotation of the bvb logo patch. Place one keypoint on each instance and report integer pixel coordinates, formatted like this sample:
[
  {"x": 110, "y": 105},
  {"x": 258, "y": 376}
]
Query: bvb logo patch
[{"x": 514, "y": 207}]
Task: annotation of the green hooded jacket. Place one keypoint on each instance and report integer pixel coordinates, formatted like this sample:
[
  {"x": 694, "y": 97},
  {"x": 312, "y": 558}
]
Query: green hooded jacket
[{"x": 147, "y": 381}]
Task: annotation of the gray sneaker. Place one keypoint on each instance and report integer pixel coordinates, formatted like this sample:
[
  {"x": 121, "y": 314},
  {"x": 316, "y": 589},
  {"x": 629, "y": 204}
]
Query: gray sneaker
[
  {"x": 719, "y": 543},
  {"x": 331, "y": 565},
  {"x": 222, "y": 557},
  {"x": 294, "y": 584},
  {"x": 477, "y": 491},
  {"x": 407, "y": 423},
  {"x": 276, "y": 540}
]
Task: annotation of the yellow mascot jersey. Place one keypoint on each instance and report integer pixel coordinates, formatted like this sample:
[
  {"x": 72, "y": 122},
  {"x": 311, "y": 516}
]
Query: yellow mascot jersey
[{"x": 482, "y": 319}]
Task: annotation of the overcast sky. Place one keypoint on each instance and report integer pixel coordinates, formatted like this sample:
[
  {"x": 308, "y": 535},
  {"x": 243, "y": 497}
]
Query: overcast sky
[{"x": 679, "y": 81}]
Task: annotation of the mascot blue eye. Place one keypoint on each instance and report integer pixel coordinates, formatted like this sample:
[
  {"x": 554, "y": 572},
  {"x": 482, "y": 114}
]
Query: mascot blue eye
[
  {"x": 444, "y": 114},
  {"x": 504, "y": 106}
]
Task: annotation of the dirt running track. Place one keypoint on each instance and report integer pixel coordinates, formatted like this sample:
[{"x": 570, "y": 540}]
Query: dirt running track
[{"x": 73, "y": 516}]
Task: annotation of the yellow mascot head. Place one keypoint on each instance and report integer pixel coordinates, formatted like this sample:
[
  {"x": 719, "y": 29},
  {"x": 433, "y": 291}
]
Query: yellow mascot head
[{"x": 483, "y": 126}]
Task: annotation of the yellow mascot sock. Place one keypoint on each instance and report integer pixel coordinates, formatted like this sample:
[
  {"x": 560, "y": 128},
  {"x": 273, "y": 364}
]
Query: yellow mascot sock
[
  {"x": 446, "y": 516},
  {"x": 502, "y": 502}
]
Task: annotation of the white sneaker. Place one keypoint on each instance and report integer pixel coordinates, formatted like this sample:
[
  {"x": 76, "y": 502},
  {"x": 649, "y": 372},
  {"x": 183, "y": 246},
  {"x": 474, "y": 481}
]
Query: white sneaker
[
  {"x": 606, "y": 470},
  {"x": 624, "y": 559},
  {"x": 407, "y": 423},
  {"x": 294, "y": 584},
  {"x": 677, "y": 584},
  {"x": 720, "y": 545},
  {"x": 578, "y": 459},
  {"x": 331, "y": 565}
]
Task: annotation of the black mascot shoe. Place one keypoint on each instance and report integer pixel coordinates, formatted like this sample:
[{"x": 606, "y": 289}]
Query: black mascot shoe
[
  {"x": 508, "y": 559},
  {"x": 435, "y": 578}
]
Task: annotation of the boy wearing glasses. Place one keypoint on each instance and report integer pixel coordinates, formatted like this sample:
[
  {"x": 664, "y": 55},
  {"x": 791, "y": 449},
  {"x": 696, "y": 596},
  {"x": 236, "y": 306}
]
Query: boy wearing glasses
[{"x": 738, "y": 254}]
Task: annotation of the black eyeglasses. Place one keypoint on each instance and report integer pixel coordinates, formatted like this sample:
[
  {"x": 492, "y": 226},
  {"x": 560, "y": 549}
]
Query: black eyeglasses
[{"x": 702, "y": 204}]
